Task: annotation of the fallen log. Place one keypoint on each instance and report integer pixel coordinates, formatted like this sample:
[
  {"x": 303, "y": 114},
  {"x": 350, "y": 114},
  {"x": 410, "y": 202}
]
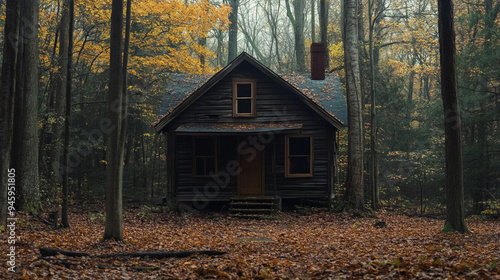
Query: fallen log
[
  {"x": 49, "y": 252},
  {"x": 46, "y": 252},
  {"x": 40, "y": 219}
]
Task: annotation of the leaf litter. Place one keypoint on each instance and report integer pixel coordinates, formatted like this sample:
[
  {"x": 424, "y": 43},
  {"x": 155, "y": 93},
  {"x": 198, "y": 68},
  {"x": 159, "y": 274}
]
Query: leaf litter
[{"x": 318, "y": 246}]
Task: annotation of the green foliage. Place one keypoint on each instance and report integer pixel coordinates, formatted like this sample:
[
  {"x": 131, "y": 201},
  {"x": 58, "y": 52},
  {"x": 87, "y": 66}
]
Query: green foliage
[
  {"x": 493, "y": 265},
  {"x": 144, "y": 212},
  {"x": 97, "y": 216},
  {"x": 491, "y": 209},
  {"x": 33, "y": 207}
]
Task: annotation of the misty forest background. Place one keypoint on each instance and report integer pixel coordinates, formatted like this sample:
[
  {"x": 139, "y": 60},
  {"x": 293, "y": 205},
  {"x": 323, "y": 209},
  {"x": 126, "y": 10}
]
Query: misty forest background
[{"x": 193, "y": 37}]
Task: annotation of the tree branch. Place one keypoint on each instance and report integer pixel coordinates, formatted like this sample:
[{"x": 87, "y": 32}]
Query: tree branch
[{"x": 289, "y": 12}]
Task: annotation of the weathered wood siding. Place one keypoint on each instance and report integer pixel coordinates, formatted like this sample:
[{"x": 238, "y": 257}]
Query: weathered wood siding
[
  {"x": 209, "y": 188},
  {"x": 274, "y": 105}
]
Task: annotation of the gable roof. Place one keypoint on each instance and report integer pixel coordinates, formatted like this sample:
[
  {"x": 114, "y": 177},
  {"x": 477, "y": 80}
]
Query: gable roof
[{"x": 325, "y": 97}]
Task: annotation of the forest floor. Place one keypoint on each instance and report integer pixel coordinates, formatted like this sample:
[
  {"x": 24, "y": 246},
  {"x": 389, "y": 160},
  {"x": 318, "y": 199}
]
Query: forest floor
[{"x": 320, "y": 245}]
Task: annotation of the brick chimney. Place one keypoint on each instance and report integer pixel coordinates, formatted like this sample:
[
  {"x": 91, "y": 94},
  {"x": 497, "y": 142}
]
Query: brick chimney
[{"x": 317, "y": 61}]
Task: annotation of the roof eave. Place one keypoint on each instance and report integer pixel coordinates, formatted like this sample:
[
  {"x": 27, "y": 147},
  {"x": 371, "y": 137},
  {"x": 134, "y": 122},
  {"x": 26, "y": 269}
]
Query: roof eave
[{"x": 323, "y": 113}]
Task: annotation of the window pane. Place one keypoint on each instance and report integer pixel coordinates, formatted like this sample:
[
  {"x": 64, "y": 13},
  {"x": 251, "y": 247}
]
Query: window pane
[
  {"x": 244, "y": 90},
  {"x": 299, "y": 165},
  {"x": 244, "y": 106},
  {"x": 200, "y": 167},
  {"x": 299, "y": 146},
  {"x": 210, "y": 165},
  {"x": 204, "y": 146}
]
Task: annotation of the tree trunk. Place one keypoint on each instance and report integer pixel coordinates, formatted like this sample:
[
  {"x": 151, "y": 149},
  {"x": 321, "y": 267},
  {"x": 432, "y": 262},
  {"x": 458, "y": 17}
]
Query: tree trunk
[
  {"x": 203, "y": 43},
  {"x": 313, "y": 21},
  {"x": 7, "y": 85},
  {"x": 354, "y": 106},
  {"x": 297, "y": 19},
  {"x": 409, "y": 100},
  {"x": 323, "y": 27},
  {"x": 114, "y": 171},
  {"x": 126, "y": 49},
  {"x": 56, "y": 143},
  {"x": 375, "y": 192},
  {"x": 219, "y": 35},
  {"x": 272, "y": 19},
  {"x": 454, "y": 188},
  {"x": 17, "y": 134},
  {"x": 28, "y": 163},
  {"x": 426, "y": 90},
  {"x": 300, "y": 47},
  {"x": 233, "y": 31},
  {"x": 69, "y": 68},
  {"x": 47, "y": 136},
  {"x": 364, "y": 67}
]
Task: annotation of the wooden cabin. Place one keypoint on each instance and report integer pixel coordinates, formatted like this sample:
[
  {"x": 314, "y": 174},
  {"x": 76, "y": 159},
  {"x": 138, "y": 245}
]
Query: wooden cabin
[{"x": 249, "y": 132}]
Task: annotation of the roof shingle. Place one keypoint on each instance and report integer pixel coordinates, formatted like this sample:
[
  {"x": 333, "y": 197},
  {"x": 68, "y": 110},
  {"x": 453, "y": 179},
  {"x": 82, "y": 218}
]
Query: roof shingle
[{"x": 327, "y": 93}]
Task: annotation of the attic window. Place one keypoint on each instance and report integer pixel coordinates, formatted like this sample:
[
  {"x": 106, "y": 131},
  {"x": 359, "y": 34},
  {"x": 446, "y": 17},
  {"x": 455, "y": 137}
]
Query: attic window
[
  {"x": 299, "y": 156},
  {"x": 204, "y": 156},
  {"x": 244, "y": 98}
]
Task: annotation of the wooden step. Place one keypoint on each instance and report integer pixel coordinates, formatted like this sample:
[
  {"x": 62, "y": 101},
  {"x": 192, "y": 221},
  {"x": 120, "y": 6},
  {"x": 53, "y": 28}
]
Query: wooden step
[
  {"x": 251, "y": 205},
  {"x": 252, "y": 210},
  {"x": 254, "y": 207},
  {"x": 253, "y": 199}
]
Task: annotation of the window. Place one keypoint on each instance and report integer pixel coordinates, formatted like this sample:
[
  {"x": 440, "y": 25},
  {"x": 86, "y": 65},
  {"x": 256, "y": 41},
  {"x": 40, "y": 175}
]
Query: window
[
  {"x": 244, "y": 98},
  {"x": 204, "y": 156},
  {"x": 299, "y": 156}
]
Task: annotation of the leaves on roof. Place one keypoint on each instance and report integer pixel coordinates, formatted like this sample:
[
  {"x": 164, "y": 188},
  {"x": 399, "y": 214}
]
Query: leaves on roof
[
  {"x": 242, "y": 126},
  {"x": 322, "y": 92}
]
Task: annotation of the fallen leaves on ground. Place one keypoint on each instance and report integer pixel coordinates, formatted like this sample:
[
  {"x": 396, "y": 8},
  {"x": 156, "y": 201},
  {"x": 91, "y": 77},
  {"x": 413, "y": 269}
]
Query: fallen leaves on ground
[{"x": 319, "y": 246}]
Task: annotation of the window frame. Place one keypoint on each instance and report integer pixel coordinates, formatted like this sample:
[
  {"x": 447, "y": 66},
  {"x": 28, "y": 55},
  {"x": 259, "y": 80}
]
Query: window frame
[
  {"x": 253, "y": 97},
  {"x": 195, "y": 157},
  {"x": 288, "y": 156}
]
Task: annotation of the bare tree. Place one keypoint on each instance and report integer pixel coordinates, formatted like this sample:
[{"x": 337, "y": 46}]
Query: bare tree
[
  {"x": 297, "y": 18},
  {"x": 252, "y": 31},
  {"x": 272, "y": 15}
]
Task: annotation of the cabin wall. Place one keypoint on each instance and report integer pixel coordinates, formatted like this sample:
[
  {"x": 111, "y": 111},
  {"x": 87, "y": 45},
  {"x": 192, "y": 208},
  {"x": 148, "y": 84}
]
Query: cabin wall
[
  {"x": 315, "y": 186},
  {"x": 275, "y": 104},
  {"x": 222, "y": 187}
]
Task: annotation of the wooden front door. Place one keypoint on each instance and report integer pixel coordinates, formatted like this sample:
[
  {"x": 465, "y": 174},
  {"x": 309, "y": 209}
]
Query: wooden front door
[{"x": 251, "y": 177}]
